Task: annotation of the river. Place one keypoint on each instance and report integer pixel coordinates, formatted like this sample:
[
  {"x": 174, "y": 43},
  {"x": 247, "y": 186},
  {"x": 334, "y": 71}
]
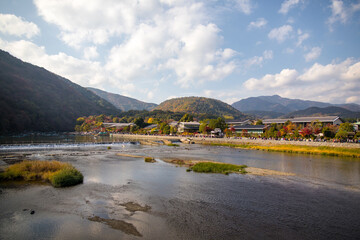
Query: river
[{"x": 320, "y": 202}]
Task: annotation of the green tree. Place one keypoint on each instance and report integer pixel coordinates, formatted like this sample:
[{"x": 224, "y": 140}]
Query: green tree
[
  {"x": 341, "y": 134},
  {"x": 259, "y": 122},
  {"x": 187, "y": 118},
  {"x": 139, "y": 122},
  {"x": 347, "y": 127}
]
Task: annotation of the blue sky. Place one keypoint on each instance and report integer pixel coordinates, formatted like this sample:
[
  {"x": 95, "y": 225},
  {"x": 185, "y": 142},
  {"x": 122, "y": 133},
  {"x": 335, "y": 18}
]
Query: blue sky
[{"x": 153, "y": 50}]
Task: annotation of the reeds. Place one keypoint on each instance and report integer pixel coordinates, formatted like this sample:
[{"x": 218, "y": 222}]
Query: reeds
[
  {"x": 288, "y": 148},
  {"x": 57, "y": 173}
]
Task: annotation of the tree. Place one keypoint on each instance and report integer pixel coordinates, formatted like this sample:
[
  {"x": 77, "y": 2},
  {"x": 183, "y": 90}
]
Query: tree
[
  {"x": 347, "y": 127},
  {"x": 187, "y": 118},
  {"x": 139, "y": 122},
  {"x": 341, "y": 134},
  {"x": 259, "y": 122}
]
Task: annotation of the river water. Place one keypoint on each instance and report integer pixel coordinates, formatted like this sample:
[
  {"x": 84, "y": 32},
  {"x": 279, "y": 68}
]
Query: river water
[{"x": 320, "y": 202}]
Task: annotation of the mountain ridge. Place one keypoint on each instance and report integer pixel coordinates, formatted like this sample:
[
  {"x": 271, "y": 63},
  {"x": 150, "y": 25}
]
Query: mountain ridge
[
  {"x": 200, "y": 105},
  {"x": 35, "y": 99},
  {"x": 122, "y": 102},
  {"x": 272, "y": 105}
]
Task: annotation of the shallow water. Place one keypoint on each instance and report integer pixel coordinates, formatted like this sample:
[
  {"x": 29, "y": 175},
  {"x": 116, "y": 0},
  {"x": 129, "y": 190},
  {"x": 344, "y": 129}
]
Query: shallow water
[{"x": 320, "y": 202}]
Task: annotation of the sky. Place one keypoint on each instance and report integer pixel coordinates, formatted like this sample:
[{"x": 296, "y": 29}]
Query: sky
[{"x": 154, "y": 50}]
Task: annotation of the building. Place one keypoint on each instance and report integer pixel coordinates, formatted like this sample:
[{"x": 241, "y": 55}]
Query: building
[
  {"x": 251, "y": 129},
  {"x": 191, "y": 127},
  {"x": 238, "y": 123},
  {"x": 334, "y": 120},
  {"x": 118, "y": 125}
]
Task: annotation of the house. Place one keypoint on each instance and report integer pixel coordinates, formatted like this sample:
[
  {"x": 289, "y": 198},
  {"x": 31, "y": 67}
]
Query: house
[
  {"x": 252, "y": 129},
  {"x": 334, "y": 120},
  {"x": 357, "y": 126},
  {"x": 217, "y": 133},
  {"x": 238, "y": 123},
  {"x": 188, "y": 127}
]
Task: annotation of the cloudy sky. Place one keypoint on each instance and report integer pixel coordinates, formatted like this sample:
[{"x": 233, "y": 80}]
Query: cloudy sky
[{"x": 153, "y": 50}]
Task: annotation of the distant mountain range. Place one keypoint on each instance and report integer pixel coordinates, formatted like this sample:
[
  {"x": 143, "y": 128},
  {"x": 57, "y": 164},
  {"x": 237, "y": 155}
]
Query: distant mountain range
[
  {"x": 276, "y": 106},
  {"x": 201, "y": 105},
  {"x": 327, "y": 111},
  {"x": 121, "y": 102},
  {"x": 34, "y": 99}
]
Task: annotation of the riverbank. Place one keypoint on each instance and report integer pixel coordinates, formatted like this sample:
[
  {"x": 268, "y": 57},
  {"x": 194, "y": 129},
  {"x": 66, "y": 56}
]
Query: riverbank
[
  {"x": 257, "y": 141},
  {"x": 299, "y": 147}
]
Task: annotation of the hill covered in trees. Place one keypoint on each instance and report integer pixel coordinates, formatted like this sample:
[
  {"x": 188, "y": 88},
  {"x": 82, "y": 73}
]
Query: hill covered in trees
[
  {"x": 34, "y": 99},
  {"x": 121, "y": 102},
  {"x": 201, "y": 105}
]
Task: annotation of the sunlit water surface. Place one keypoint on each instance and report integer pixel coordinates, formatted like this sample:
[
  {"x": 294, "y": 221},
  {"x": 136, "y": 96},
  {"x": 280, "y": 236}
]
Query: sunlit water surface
[{"x": 320, "y": 202}]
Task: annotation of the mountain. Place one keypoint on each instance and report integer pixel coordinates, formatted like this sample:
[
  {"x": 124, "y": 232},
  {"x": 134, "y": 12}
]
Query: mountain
[
  {"x": 200, "y": 105},
  {"x": 272, "y": 105},
  {"x": 34, "y": 99},
  {"x": 121, "y": 102},
  {"x": 327, "y": 111},
  {"x": 264, "y": 114}
]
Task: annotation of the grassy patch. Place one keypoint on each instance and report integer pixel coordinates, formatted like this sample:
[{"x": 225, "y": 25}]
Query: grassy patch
[
  {"x": 57, "y": 173},
  {"x": 322, "y": 150},
  {"x": 172, "y": 145},
  {"x": 225, "y": 168},
  {"x": 150, "y": 160}
]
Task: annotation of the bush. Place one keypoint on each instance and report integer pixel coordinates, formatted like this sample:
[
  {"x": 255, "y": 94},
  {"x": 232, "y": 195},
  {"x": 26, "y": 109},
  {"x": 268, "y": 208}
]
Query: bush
[
  {"x": 209, "y": 167},
  {"x": 66, "y": 177},
  {"x": 57, "y": 173},
  {"x": 150, "y": 160}
]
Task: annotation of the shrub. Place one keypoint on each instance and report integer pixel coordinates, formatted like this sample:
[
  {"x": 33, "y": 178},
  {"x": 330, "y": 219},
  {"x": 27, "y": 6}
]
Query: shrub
[
  {"x": 57, "y": 173},
  {"x": 150, "y": 160},
  {"x": 66, "y": 177},
  {"x": 210, "y": 167}
]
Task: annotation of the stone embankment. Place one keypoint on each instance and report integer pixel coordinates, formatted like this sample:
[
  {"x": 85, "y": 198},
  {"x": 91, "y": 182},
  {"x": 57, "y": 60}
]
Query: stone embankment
[{"x": 202, "y": 140}]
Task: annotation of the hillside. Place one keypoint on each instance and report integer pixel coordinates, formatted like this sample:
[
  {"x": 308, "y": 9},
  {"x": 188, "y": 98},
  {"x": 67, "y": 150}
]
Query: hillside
[
  {"x": 327, "y": 111},
  {"x": 200, "y": 105},
  {"x": 273, "y": 105},
  {"x": 34, "y": 99},
  {"x": 121, "y": 102}
]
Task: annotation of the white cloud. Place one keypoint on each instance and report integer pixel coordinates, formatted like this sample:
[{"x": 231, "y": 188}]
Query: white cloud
[
  {"x": 90, "y": 53},
  {"x": 335, "y": 82},
  {"x": 13, "y": 25},
  {"x": 83, "y": 72},
  {"x": 314, "y": 53},
  {"x": 340, "y": 12},
  {"x": 285, "y": 77},
  {"x": 289, "y": 50},
  {"x": 244, "y": 6},
  {"x": 353, "y": 99},
  {"x": 154, "y": 38},
  {"x": 301, "y": 37},
  {"x": 268, "y": 54},
  {"x": 281, "y": 34},
  {"x": 287, "y": 5},
  {"x": 257, "y": 60},
  {"x": 259, "y": 23}
]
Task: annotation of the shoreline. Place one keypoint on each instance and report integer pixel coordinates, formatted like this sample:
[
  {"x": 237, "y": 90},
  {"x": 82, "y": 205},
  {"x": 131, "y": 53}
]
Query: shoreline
[{"x": 261, "y": 142}]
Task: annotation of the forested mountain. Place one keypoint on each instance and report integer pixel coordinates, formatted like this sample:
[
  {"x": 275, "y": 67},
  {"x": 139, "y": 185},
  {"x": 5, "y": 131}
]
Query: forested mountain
[
  {"x": 121, "y": 102},
  {"x": 34, "y": 99},
  {"x": 327, "y": 111},
  {"x": 201, "y": 105},
  {"x": 273, "y": 105}
]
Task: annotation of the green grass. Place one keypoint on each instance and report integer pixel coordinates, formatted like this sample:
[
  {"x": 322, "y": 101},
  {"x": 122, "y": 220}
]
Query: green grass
[
  {"x": 57, "y": 173},
  {"x": 172, "y": 145},
  {"x": 149, "y": 160},
  {"x": 225, "y": 168},
  {"x": 288, "y": 148}
]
